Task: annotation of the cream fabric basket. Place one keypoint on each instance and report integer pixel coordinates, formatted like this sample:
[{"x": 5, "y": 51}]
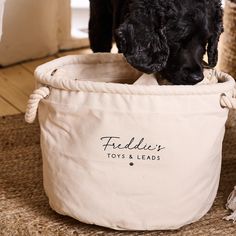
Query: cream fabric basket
[{"x": 128, "y": 157}]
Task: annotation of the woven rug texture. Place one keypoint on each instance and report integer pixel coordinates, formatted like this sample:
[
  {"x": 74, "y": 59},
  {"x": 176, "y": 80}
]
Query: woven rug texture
[{"x": 24, "y": 208}]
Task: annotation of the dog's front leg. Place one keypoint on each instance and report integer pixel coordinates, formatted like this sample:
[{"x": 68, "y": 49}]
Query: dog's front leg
[{"x": 100, "y": 26}]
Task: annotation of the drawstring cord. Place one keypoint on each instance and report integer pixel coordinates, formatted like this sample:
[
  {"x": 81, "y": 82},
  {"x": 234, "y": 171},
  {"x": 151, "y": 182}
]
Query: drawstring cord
[{"x": 43, "y": 92}]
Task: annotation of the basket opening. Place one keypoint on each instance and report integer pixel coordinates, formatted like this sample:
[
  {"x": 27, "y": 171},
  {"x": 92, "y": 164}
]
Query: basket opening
[
  {"x": 117, "y": 72},
  {"x": 110, "y": 72}
]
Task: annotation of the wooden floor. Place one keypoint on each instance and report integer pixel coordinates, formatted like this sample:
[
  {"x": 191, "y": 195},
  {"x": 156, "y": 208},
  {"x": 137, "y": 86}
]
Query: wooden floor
[{"x": 17, "y": 83}]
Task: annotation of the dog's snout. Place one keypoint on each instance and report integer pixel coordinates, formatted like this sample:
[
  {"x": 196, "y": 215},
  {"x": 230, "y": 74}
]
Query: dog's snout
[
  {"x": 192, "y": 73},
  {"x": 195, "y": 78}
]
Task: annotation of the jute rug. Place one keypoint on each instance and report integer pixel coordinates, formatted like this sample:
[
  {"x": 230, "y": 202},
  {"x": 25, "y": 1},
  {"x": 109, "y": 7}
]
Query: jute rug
[{"x": 24, "y": 208}]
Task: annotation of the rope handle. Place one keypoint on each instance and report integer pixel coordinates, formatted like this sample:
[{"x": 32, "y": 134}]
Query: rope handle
[
  {"x": 228, "y": 102},
  {"x": 32, "y": 105}
]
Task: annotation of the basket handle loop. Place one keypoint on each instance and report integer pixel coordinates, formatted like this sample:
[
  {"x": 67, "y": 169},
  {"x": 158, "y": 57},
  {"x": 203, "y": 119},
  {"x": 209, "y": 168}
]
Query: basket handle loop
[
  {"x": 32, "y": 105},
  {"x": 228, "y": 102}
]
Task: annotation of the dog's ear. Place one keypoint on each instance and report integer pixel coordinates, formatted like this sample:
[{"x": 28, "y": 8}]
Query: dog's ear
[
  {"x": 217, "y": 29},
  {"x": 142, "y": 40}
]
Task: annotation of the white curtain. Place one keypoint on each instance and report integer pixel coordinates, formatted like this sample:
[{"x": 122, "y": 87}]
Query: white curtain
[
  {"x": 34, "y": 29},
  {"x": 1, "y": 15}
]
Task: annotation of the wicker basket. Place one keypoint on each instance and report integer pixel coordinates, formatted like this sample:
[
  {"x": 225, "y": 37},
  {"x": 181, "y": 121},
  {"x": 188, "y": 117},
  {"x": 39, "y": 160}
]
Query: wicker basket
[
  {"x": 227, "y": 58},
  {"x": 227, "y": 50}
]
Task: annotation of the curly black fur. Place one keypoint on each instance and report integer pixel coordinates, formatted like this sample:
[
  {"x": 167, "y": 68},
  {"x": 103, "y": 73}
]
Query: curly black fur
[{"x": 166, "y": 36}]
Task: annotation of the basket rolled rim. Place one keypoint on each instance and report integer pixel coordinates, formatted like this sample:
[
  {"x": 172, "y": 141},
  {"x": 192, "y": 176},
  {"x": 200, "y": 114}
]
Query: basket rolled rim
[{"x": 44, "y": 75}]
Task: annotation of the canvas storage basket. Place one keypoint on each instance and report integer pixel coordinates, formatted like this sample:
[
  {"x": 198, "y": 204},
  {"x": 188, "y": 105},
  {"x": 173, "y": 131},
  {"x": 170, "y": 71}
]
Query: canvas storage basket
[{"x": 125, "y": 156}]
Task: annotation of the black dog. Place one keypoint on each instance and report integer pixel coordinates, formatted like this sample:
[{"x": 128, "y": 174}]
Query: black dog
[{"x": 166, "y": 36}]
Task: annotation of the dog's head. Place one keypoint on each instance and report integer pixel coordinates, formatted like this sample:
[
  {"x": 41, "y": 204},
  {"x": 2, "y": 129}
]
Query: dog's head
[{"x": 171, "y": 37}]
